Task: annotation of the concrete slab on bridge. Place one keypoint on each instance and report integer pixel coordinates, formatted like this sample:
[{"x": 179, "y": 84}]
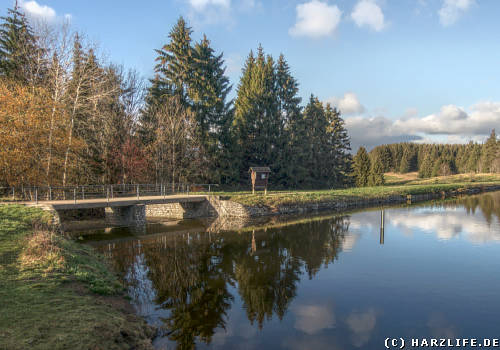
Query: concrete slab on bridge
[{"x": 118, "y": 202}]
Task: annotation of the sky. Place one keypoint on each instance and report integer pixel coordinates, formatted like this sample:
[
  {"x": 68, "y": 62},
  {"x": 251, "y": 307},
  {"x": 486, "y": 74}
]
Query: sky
[{"x": 399, "y": 70}]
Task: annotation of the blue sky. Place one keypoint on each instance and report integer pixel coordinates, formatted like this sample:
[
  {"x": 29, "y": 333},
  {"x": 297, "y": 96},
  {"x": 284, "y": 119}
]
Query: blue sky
[{"x": 424, "y": 70}]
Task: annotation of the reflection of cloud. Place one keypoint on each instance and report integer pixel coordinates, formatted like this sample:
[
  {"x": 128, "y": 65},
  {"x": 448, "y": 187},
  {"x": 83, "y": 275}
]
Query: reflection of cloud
[
  {"x": 309, "y": 343},
  {"x": 311, "y": 319},
  {"x": 361, "y": 324},
  {"x": 440, "y": 328},
  {"x": 141, "y": 287},
  {"x": 349, "y": 241},
  {"x": 447, "y": 224}
]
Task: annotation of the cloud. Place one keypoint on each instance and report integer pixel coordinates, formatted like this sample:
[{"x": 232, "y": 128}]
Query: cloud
[
  {"x": 201, "y": 5},
  {"x": 40, "y": 12},
  {"x": 311, "y": 319},
  {"x": 455, "y": 120},
  {"x": 33, "y": 9},
  {"x": 348, "y": 104},
  {"x": 368, "y": 13},
  {"x": 452, "y": 10},
  {"x": 451, "y": 124},
  {"x": 316, "y": 19},
  {"x": 373, "y": 131}
]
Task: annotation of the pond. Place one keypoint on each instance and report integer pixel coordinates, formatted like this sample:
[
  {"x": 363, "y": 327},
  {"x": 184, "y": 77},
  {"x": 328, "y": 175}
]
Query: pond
[{"x": 345, "y": 281}]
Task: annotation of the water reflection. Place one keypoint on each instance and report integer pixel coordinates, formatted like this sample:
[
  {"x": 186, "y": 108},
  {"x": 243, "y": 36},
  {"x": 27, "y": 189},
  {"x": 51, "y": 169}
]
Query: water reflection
[{"x": 289, "y": 286}]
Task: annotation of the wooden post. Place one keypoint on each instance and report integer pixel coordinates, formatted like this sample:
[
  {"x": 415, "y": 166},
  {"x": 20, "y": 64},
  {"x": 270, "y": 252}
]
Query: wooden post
[
  {"x": 111, "y": 191},
  {"x": 36, "y": 195},
  {"x": 74, "y": 194},
  {"x": 107, "y": 195},
  {"x": 50, "y": 193},
  {"x": 83, "y": 193},
  {"x": 13, "y": 193},
  {"x": 137, "y": 192},
  {"x": 208, "y": 188}
]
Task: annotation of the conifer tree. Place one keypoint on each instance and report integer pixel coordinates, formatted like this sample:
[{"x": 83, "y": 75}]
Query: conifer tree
[
  {"x": 174, "y": 66},
  {"x": 290, "y": 133},
  {"x": 339, "y": 146},
  {"x": 208, "y": 92},
  {"x": 376, "y": 173},
  {"x": 256, "y": 121},
  {"x": 18, "y": 48},
  {"x": 489, "y": 153},
  {"x": 361, "y": 167}
]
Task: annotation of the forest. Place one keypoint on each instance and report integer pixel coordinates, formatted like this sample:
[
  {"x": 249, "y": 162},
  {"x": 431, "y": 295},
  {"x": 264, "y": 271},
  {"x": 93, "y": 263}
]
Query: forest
[{"x": 68, "y": 116}]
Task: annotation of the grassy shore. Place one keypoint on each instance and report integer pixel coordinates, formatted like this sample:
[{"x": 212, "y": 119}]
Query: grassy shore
[
  {"x": 58, "y": 294},
  {"x": 397, "y": 184}
]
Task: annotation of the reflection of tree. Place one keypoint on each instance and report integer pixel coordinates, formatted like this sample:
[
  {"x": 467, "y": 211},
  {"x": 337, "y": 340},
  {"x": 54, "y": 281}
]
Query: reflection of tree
[
  {"x": 488, "y": 203},
  {"x": 191, "y": 284},
  {"x": 268, "y": 277},
  {"x": 191, "y": 273}
]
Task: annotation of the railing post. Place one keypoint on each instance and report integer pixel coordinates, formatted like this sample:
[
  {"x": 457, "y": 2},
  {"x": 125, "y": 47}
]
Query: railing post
[
  {"x": 83, "y": 192},
  {"x": 111, "y": 191},
  {"x": 107, "y": 194},
  {"x": 188, "y": 190},
  {"x": 36, "y": 195},
  {"x": 137, "y": 192},
  {"x": 13, "y": 193},
  {"x": 208, "y": 188},
  {"x": 74, "y": 193},
  {"x": 50, "y": 193}
]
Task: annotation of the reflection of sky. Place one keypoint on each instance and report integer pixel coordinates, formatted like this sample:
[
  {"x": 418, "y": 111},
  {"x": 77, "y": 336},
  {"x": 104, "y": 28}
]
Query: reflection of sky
[
  {"x": 444, "y": 223},
  {"x": 436, "y": 275}
]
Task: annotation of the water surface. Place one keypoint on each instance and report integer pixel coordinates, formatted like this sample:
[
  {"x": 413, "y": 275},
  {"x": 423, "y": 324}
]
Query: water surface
[{"x": 333, "y": 282}]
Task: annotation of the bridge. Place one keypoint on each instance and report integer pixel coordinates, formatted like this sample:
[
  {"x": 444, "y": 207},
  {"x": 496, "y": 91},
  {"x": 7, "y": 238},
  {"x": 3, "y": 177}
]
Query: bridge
[{"x": 118, "y": 204}]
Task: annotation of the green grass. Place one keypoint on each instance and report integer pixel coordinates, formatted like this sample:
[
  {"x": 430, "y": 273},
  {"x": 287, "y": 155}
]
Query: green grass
[
  {"x": 395, "y": 186},
  {"x": 56, "y": 293}
]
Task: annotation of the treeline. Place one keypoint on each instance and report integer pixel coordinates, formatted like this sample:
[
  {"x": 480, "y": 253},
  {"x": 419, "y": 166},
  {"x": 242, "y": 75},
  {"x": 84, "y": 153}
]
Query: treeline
[
  {"x": 431, "y": 160},
  {"x": 68, "y": 116}
]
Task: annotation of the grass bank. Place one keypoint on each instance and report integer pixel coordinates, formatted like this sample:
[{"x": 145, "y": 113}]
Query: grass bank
[
  {"x": 58, "y": 294},
  {"x": 396, "y": 185}
]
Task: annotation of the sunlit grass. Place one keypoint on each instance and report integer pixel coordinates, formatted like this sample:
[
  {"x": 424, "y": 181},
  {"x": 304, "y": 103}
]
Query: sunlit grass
[
  {"x": 50, "y": 290},
  {"x": 396, "y": 185}
]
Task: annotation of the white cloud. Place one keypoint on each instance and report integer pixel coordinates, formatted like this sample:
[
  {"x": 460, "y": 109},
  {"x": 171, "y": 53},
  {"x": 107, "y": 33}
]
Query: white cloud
[
  {"x": 452, "y": 124},
  {"x": 316, "y": 19},
  {"x": 348, "y": 104},
  {"x": 33, "y": 9},
  {"x": 368, "y": 13},
  {"x": 311, "y": 319},
  {"x": 372, "y": 131},
  {"x": 201, "y": 5},
  {"x": 36, "y": 11},
  {"x": 454, "y": 120},
  {"x": 452, "y": 10}
]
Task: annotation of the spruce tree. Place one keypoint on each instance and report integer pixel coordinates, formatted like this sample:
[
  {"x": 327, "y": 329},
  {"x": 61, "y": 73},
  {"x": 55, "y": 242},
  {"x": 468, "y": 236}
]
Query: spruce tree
[
  {"x": 376, "y": 173},
  {"x": 339, "y": 146},
  {"x": 18, "y": 48},
  {"x": 290, "y": 133},
  {"x": 256, "y": 121},
  {"x": 174, "y": 66},
  {"x": 208, "y": 93},
  {"x": 361, "y": 168},
  {"x": 489, "y": 153}
]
